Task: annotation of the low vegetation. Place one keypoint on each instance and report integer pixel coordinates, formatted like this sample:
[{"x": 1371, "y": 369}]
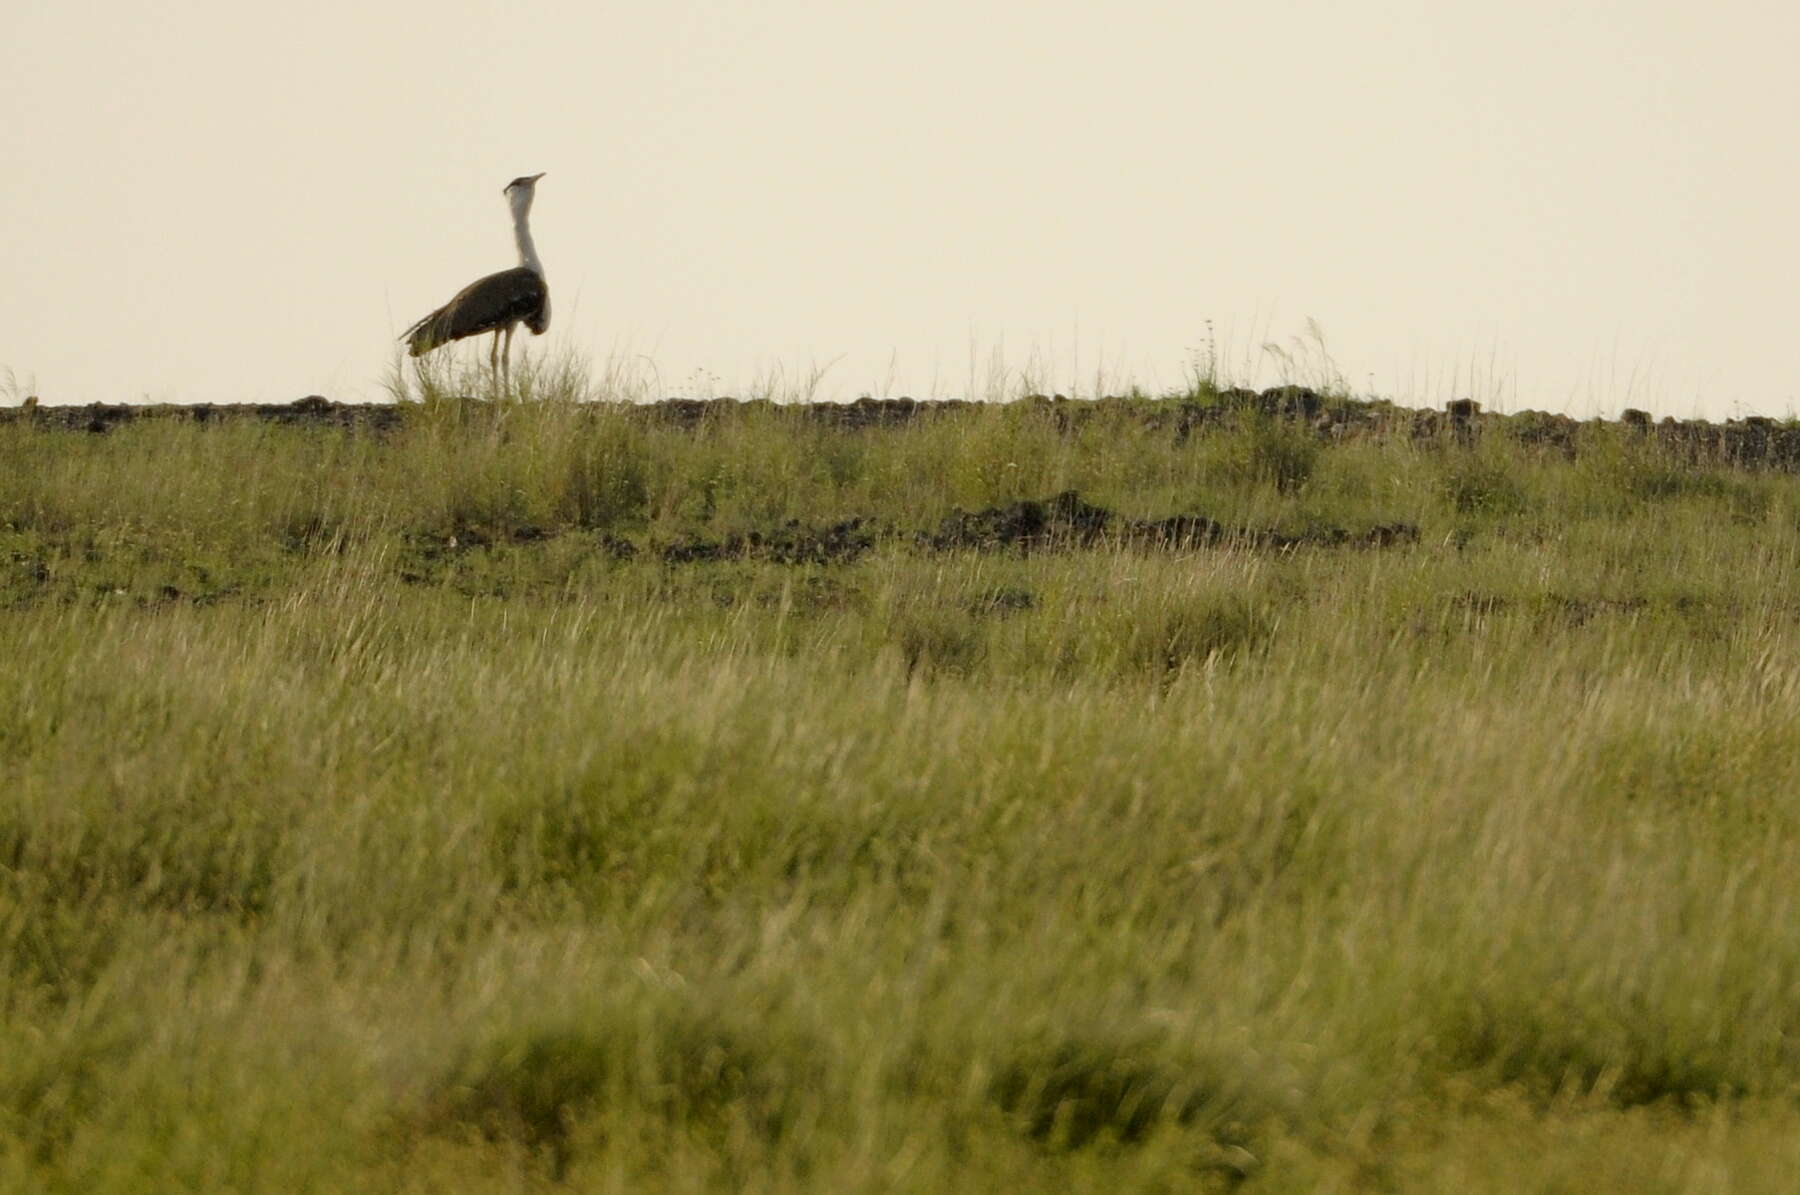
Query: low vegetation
[{"x": 1217, "y": 792}]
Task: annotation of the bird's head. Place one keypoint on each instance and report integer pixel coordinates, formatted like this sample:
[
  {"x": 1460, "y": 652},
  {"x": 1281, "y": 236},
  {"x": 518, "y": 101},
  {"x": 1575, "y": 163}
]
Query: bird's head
[{"x": 521, "y": 189}]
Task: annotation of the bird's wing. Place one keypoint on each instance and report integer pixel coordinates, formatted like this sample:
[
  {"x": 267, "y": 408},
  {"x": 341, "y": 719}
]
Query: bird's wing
[{"x": 482, "y": 306}]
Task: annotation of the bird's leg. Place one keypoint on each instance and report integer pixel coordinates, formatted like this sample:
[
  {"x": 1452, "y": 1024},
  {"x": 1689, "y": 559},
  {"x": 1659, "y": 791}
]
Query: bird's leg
[
  {"x": 494, "y": 359},
  {"x": 506, "y": 355}
]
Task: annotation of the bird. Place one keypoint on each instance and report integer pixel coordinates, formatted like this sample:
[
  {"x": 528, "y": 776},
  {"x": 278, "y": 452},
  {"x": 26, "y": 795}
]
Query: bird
[{"x": 499, "y": 302}]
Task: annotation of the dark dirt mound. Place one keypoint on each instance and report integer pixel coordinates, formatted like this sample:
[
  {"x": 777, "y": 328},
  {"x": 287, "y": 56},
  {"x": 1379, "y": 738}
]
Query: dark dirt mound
[
  {"x": 1034, "y": 523},
  {"x": 1753, "y": 442},
  {"x": 1179, "y": 532},
  {"x": 791, "y": 543},
  {"x": 1186, "y": 532},
  {"x": 1067, "y": 521},
  {"x": 1060, "y": 523},
  {"x": 863, "y": 413},
  {"x": 313, "y": 409}
]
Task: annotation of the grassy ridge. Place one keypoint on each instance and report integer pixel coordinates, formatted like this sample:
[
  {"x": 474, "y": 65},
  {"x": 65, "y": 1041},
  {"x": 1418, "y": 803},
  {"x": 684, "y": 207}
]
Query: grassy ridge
[{"x": 420, "y": 811}]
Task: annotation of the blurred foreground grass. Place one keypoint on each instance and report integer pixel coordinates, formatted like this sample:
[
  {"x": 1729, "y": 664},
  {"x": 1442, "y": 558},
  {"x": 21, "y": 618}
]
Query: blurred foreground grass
[{"x": 536, "y": 796}]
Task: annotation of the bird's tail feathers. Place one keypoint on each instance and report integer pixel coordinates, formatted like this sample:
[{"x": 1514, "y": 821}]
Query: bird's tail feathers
[{"x": 426, "y": 335}]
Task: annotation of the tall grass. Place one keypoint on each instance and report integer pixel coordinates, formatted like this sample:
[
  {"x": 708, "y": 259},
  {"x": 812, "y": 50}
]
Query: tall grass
[{"x": 403, "y": 812}]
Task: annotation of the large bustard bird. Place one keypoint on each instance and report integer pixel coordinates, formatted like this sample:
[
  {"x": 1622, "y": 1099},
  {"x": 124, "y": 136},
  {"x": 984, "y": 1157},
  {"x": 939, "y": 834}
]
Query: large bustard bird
[{"x": 498, "y": 303}]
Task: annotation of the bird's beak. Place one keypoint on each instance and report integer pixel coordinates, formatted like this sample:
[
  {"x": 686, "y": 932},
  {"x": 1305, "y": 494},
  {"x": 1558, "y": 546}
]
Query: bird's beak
[{"x": 539, "y": 175}]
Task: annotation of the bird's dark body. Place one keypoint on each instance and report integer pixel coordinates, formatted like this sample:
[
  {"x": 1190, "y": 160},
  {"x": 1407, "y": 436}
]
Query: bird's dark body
[{"x": 488, "y": 304}]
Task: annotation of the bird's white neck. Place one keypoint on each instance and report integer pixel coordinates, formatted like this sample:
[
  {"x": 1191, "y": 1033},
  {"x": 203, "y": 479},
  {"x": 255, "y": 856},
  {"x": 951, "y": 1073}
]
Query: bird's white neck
[{"x": 521, "y": 211}]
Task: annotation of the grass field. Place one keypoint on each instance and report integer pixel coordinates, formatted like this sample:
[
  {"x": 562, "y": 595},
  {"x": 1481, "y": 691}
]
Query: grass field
[{"x": 541, "y": 796}]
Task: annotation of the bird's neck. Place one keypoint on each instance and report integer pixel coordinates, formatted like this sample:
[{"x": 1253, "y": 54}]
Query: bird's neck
[{"x": 522, "y": 234}]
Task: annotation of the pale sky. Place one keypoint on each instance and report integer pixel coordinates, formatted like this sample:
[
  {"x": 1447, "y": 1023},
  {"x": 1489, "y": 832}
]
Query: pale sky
[{"x": 1541, "y": 204}]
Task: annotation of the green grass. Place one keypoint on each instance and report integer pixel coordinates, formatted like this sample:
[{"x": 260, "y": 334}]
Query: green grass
[{"x": 420, "y": 811}]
